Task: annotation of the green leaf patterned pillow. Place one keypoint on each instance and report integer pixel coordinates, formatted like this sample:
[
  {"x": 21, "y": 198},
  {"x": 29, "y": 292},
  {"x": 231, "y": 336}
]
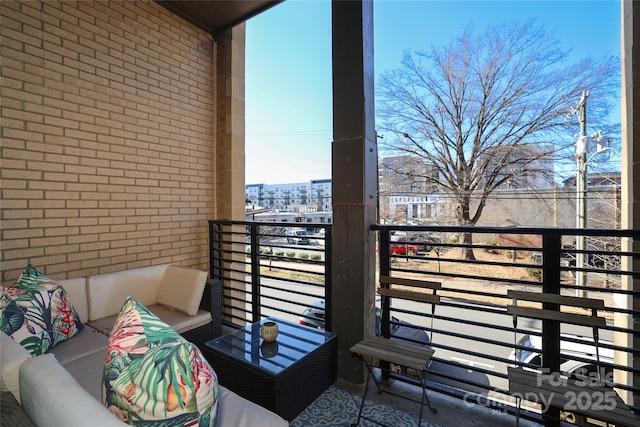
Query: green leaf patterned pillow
[
  {"x": 37, "y": 313},
  {"x": 153, "y": 376}
]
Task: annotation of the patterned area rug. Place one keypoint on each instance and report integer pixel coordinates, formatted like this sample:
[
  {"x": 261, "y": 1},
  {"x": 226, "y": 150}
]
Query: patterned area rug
[
  {"x": 339, "y": 408},
  {"x": 11, "y": 413}
]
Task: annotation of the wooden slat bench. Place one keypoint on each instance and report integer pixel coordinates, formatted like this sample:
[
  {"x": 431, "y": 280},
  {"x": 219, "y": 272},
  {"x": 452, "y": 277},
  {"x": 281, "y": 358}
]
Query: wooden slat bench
[
  {"x": 403, "y": 354},
  {"x": 396, "y": 352},
  {"x": 589, "y": 397}
]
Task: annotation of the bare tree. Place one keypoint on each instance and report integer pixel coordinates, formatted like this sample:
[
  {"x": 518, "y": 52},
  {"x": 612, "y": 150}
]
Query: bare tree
[{"x": 488, "y": 110}]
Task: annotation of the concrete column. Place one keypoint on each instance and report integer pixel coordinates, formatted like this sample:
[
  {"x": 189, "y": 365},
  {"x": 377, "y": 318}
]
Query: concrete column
[
  {"x": 230, "y": 126},
  {"x": 354, "y": 180},
  {"x": 630, "y": 188},
  {"x": 228, "y": 160}
]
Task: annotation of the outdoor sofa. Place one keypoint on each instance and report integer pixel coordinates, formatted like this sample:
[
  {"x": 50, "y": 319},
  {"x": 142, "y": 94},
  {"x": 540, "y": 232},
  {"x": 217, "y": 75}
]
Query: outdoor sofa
[{"x": 64, "y": 385}]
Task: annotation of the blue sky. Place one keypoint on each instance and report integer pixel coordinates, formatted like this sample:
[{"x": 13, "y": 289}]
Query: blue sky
[{"x": 288, "y": 65}]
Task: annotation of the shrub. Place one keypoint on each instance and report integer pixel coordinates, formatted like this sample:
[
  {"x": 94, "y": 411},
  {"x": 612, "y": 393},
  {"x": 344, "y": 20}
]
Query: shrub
[
  {"x": 536, "y": 273},
  {"x": 304, "y": 256},
  {"x": 279, "y": 253},
  {"x": 291, "y": 254},
  {"x": 316, "y": 257}
]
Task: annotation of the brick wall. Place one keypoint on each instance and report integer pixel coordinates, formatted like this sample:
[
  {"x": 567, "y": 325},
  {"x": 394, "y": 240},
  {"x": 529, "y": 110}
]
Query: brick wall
[{"x": 107, "y": 115}]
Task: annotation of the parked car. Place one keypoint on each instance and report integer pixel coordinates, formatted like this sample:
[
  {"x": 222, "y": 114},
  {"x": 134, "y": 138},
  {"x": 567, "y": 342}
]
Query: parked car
[
  {"x": 297, "y": 237},
  {"x": 423, "y": 241},
  {"x": 568, "y": 366},
  {"x": 404, "y": 249},
  {"x": 567, "y": 349},
  {"x": 313, "y": 316}
]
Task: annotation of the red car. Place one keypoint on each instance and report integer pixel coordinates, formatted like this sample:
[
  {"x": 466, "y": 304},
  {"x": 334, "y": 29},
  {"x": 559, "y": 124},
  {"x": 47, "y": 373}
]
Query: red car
[{"x": 404, "y": 249}]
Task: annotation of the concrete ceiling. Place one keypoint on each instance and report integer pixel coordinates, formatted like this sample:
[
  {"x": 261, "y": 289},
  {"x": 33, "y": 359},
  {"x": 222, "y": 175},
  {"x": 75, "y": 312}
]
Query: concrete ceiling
[{"x": 215, "y": 16}]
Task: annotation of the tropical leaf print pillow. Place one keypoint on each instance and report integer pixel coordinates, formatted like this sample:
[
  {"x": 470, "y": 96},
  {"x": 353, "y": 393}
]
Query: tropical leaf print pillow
[
  {"x": 37, "y": 313},
  {"x": 153, "y": 376}
]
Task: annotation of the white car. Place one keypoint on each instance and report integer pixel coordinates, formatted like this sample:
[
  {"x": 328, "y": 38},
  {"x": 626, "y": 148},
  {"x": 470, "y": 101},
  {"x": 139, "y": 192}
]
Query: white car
[
  {"x": 297, "y": 237},
  {"x": 570, "y": 367},
  {"x": 567, "y": 350},
  {"x": 314, "y": 316}
]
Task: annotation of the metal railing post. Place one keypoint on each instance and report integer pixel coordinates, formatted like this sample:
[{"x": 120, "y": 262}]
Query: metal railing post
[
  {"x": 255, "y": 271},
  {"x": 384, "y": 240},
  {"x": 551, "y": 249},
  {"x": 328, "y": 274},
  {"x": 384, "y": 255},
  {"x": 215, "y": 250}
]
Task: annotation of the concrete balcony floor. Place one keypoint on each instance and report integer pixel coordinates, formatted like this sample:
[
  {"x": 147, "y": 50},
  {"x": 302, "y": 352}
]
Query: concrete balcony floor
[{"x": 451, "y": 411}]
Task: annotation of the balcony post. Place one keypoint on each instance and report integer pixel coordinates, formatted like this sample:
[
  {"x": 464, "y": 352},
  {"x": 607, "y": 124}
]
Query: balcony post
[
  {"x": 630, "y": 174},
  {"x": 354, "y": 181},
  {"x": 551, "y": 248},
  {"x": 255, "y": 273}
]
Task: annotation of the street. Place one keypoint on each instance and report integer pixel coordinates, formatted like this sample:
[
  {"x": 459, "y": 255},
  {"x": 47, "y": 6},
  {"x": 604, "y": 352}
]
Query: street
[
  {"x": 452, "y": 365},
  {"x": 465, "y": 363}
]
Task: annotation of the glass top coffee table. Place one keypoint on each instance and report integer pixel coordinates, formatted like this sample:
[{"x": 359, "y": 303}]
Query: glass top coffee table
[{"x": 285, "y": 375}]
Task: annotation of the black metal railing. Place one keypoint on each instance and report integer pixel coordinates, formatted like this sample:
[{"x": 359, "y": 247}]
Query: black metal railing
[
  {"x": 272, "y": 269},
  {"x": 475, "y": 339},
  {"x": 266, "y": 272}
]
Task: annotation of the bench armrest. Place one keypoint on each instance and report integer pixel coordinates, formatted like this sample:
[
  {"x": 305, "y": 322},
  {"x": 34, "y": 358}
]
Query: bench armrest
[{"x": 212, "y": 302}]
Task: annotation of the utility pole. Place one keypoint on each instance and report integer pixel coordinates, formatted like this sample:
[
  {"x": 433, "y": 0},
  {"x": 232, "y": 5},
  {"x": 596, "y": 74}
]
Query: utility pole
[
  {"x": 581, "y": 195},
  {"x": 582, "y": 150}
]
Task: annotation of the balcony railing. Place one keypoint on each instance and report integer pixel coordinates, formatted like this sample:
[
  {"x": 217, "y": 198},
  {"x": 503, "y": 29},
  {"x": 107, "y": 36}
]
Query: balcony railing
[
  {"x": 474, "y": 337},
  {"x": 266, "y": 272}
]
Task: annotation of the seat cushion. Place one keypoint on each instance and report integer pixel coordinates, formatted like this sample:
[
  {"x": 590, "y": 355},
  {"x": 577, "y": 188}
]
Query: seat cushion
[
  {"x": 37, "y": 313},
  {"x": 179, "y": 321},
  {"x": 88, "y": 371},
  {"x": 152, "y": 373},
  {"x": 86, "y": 343},
  {"x": 237, "y": 411}
]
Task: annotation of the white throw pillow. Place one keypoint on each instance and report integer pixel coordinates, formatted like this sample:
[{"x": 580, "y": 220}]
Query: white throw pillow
[{"x": 181, "y": 288}]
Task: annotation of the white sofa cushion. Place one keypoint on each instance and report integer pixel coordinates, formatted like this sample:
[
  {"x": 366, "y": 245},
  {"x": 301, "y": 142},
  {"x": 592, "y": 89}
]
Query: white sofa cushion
[
  {"x": 53, "y": 398},
  {"x": 87, "y": 342},
  {"x": 87, "y": 371},
  {"x": 107, "y": 292},
  {"x": 182, "y": 288},
  {"x": 12, "y": 355},
  {"x": 234, "y": 410},
  {"x": 179, "y": 321}
]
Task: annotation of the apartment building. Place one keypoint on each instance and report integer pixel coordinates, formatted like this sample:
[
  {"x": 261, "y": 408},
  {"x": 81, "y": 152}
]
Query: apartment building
[
  {"x": 413, "y": 199},
  {"x": 311, "y": 196}
]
